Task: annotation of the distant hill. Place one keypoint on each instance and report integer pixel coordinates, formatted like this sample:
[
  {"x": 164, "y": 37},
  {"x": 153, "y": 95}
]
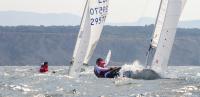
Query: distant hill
[
  {"x": 14, "y": 18},
  {"x": 190, "y": 24},
  {"x": 30, "y": 45},
  {"x": 141, "y": 22},
  {"x": 147, "y": 21}
]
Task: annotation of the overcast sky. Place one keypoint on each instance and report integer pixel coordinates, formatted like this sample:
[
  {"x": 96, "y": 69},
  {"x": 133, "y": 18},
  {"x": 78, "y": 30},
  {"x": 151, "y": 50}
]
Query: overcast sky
[{"x": 120, "y": 10}]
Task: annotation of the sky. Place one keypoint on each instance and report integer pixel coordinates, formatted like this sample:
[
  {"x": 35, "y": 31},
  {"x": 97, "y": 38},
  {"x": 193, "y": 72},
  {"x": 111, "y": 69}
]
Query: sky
[{"x": 119, "y": 10}]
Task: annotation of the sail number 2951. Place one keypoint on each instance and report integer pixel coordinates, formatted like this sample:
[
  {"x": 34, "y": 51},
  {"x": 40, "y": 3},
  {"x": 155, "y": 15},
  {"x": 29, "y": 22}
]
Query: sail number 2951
[
  {"x": 102, "y": 1},
  {"x": 98, "y": 14},
  {"x": 98, "y": 20}
]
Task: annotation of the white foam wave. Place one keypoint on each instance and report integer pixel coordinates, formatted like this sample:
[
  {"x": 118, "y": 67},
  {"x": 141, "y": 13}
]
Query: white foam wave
[
  {"x": 186, "y": 90},
  {"x": 135, "y": 67},
  {"x": 48, "y": 74},
  {"x": 123, "y": 81},
  {"x": 59, "y": 89},
  {"x": 21, "y": 70},
  {"x": 6, "y": 74},
  {"x": 22, "y": 87},
  {"x": 198, "y": 74},
  {"x": 59, "y": 70},
  {"x": 39, "y": 95},
  {"x": 65, "y": 76},
  {"x": 87, "y": 71},
  {"x": 19, "y": 87}
]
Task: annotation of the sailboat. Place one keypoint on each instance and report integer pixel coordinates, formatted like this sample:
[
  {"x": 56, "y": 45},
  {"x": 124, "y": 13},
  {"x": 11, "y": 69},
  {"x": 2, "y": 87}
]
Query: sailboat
[
  {"x": 164, "y": 34},
  {"x": 91, "y": 26}
]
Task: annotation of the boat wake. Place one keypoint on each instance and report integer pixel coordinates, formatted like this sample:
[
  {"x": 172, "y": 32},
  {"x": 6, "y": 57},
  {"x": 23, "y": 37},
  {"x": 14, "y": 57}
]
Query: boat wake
[{"x": 137, "y": 71}]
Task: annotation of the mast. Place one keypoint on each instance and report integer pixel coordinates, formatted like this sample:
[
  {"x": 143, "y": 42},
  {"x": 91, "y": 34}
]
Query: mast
[{"x": 151, "y": 47}]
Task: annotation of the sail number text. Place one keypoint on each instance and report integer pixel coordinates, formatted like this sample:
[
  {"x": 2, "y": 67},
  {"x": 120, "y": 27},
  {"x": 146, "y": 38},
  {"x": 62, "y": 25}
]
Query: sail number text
[
  {"x": 102, "y": 1},
  {"x": 99, "y": 20},
  {"x": 100, "y": 14}
]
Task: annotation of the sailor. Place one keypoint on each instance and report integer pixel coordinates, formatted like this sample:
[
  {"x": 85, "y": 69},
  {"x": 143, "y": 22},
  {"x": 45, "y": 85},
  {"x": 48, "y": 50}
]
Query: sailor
[
  {"x": 102, "y": 71},
  {"x": 44, "y": 67}
]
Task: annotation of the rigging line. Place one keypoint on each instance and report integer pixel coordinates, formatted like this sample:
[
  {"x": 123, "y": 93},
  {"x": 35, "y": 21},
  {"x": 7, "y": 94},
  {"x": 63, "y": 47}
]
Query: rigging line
[
  {"x": 142, "y": 14},
  {"x": 147, "y": 4}
]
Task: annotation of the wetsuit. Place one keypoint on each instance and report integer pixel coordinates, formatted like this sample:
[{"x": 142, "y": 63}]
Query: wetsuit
[{"x": 106, "y": 72}]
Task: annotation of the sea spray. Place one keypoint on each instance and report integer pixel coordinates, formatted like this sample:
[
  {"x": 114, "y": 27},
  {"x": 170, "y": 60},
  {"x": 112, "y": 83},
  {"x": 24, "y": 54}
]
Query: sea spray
[
  {"x": 137, "y": 71},
  {"x": 134, "y": 68}
]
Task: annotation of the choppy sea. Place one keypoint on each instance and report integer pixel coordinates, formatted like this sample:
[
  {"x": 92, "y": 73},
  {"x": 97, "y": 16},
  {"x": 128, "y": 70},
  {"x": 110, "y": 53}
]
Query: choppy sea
[{"x": 26, "y": 81}]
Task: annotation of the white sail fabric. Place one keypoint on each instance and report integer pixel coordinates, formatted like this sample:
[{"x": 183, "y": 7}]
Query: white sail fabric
[
  {"x": 81, "y": 43},
  {"x": 168, "y": 31},
  {"x": 98, "y": 13},
  {"x": 84, "y": 20},
  {"x": 159, "y": 23},
  {"x": 91, "y": 27},
  {"x": 157, "y": 31},
  {"x": 107, "y": 59}
]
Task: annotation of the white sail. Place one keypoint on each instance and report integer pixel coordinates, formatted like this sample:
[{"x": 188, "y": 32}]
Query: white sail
[
  {"x": 84, "y": 20},
  {"x": 107, "y": 59},
  {"x": 81, "y": 43},
  {"x": 156, "y": 35},
  {"x": 159, "y": 22},
  {"x": 167, "y": 33},
  {"x": 91, "y": 26},
  {"x": 98, "y": 13}
]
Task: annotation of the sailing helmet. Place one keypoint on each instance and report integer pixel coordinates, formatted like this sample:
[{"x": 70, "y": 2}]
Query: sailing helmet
[{"x": 100, "y": 61}]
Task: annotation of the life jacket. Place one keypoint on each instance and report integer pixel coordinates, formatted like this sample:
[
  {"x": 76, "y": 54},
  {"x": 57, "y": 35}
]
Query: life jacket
[
  {"x": 99, "y": 75},
  {"x": 43, "y": 68}
]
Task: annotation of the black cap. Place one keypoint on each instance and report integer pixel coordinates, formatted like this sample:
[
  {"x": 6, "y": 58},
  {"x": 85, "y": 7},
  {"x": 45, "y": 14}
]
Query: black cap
[{"x": 45, "y": 63}]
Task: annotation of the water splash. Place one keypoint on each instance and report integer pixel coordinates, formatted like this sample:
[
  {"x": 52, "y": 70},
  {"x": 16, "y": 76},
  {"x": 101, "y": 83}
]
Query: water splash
[
  {"x": 134, "y": 67},
  {"x": 137, "y": 71}
]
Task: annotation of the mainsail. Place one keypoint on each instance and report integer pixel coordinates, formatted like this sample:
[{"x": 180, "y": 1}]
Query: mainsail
[
  {"x": 90, "y": 30},
  {"x": 98, "y": 13},
  {"x": 165, "y": 30}
]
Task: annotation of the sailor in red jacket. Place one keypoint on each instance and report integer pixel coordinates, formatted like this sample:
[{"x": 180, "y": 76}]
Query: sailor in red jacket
[
  {"x": 102, "y": 71},
  {"x": 44, "y": 67}
]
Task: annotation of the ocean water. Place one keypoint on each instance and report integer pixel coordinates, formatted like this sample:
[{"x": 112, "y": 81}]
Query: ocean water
[{"x": 26, "y": 81}]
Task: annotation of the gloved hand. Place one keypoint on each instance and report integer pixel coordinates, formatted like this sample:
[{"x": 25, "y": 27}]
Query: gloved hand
[{"x": 111, "y": 68}]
